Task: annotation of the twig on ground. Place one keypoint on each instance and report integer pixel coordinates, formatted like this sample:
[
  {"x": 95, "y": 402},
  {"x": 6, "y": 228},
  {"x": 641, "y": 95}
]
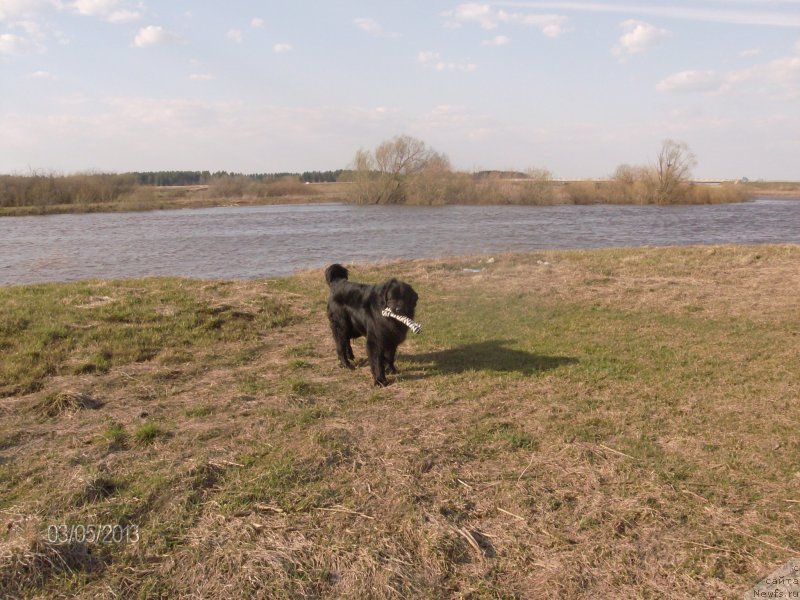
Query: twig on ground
[
  {"x": 699, "y": 545},
  {"x": 512, "y": 514},
  {"x": 347, "y": 511},
  {"x": 616, "y": 452},
  {"x": 219, "y": 463},
  {"x": 525, "y": 470},
  {"x": 462, "y": 531},
  {"x": 766, "y": 543}
]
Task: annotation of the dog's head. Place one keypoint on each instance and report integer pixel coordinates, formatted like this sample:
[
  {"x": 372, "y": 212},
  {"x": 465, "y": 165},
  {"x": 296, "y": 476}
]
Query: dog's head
[{"x": 399, "y": 297}]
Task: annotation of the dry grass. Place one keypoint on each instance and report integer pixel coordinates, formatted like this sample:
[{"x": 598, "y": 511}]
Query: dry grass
[
  {"x": 612, "y": 423},
  {"x": 643, "y": 192},
  {"x": 246, "y": 187},
  {"x": 59, "y": 403},
  {"x": 774, "y": 188},
  {"x": 236, "y": 192}
]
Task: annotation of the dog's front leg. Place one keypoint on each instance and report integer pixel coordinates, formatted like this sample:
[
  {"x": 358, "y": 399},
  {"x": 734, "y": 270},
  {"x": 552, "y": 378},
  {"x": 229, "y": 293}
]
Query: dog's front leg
[
  {"x": 376, "y": 361},
  {"x": 389, "y": 361}
]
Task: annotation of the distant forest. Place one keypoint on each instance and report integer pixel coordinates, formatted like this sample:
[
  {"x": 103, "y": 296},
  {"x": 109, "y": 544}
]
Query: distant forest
[{"x": 204, "y": 177}]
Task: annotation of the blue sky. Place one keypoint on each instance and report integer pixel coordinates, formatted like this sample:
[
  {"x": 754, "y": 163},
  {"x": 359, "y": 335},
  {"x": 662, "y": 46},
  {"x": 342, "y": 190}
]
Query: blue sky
[{"x": 575, "y": 87}]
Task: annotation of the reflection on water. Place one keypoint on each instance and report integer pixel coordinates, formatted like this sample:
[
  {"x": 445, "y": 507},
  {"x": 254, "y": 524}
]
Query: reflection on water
[{"x": 258, "y": 241}]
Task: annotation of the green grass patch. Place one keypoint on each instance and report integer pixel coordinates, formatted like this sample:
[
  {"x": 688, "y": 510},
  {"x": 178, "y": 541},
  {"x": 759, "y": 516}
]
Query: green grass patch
[
  {"x": 282, "y": 480},
  {"x": 148, "y": 433},
  {"x": 115, "y": 435},
  {"x": 91, "y": 327},
  {"x": 198, "y": 412}
]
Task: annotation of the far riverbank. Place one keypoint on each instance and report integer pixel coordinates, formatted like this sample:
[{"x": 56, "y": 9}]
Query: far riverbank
[{"x": 502, "y": 192}]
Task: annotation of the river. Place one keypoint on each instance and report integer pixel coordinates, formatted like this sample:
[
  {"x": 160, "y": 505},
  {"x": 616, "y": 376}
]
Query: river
[{"x": 262, "y": 241}]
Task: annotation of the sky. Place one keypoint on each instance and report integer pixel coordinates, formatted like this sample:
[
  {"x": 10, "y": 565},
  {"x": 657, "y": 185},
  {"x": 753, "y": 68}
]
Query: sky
[{"x": 577, "y": 88}]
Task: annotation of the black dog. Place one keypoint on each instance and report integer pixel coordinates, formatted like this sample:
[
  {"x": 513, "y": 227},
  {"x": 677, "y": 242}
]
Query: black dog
[{"x": 354, "y": 309}]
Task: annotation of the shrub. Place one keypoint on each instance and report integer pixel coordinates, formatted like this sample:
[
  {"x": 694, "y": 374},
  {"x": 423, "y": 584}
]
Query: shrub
[
  {"x": 45, "y": 189},
  {"x": 242, "y": 186}
]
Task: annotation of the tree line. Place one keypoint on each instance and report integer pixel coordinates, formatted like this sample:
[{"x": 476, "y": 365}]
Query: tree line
[
  {"x": 401, "y": 170},
  {"x": 168, "y": 178},
  {"x": 405, "y": 170},
  {"x": 50, "y": 189}
]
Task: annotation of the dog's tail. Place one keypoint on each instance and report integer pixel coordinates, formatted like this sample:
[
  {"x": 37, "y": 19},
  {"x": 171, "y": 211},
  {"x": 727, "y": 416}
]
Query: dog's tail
[{"x": 335, "y": 273}]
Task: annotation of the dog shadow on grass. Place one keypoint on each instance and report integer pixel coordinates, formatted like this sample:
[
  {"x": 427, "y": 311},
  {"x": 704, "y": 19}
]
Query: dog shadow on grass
[{"x": 489, "y": 355}]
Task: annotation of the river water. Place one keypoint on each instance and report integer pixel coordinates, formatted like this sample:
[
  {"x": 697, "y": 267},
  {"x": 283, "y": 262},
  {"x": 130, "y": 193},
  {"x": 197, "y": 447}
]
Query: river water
[{"x": 260, "y": 241}]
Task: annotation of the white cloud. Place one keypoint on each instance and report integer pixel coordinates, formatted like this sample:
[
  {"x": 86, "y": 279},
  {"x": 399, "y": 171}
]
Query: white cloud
[
  {"x": 751, "y": 16},
  {"x": 234, "y": 35},
  {"x": 105, "y": 9},
  {"x": 152, "y": 35},
  {"x": 31, "y": 40},
  {"x": 109, "y": 10},
  {"x": 119, "y": 131},
  {"x": 10, "y": 44},
  {"x": 434, "y": 61},
  {"x": 489, "y": 17},
  {"x": 124, "y": 16},
  {"x": 638, "y": 37},
  {"x": 783, "y": 72},
  {"x": 202, "y": 77},
  {"x": 691, "y": 81},
  {"x": 498, "y": 40},
  {"x": 473, "y": 13},
  {"x": 372, "y": 27},
  {"x": 257, "y": 23},
  {"x": 17, "y": 9},
  {"x": 16, "y": 45},
  {"x": 554, "y": 26},
  {"x": 282, "y": 48},
  {"x": 29, "y": 27},
  {"x": 41, "y": 75},
  {"x": 426, "y": 56},
  {"x": 750, "y": 52},
  {"x": 781, "y": 75},
  {"x": 62, "y": 38},
  {"x": 94, "y": 8},
  {"x": 455, "y": 117}
]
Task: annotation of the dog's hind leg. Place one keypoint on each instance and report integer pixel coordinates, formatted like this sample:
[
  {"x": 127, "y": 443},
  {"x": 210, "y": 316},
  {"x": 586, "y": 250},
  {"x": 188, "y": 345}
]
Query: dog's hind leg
[
  {"x": 343, "y": 349},
  {"x": 344, "y": 352}
]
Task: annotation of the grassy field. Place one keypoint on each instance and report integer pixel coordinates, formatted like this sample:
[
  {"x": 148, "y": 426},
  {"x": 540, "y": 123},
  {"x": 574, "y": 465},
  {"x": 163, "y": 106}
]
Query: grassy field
[
  {"x": 602, "y": 424},
  {"x": 776, "y": 189}
]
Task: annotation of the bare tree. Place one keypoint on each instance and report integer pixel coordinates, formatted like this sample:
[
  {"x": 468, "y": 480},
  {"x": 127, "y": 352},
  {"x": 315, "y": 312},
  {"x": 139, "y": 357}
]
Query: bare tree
[
  {"x": 431, "y": 183},
  {"x": 673, "y": 170},
  {"x": 402, "y": 155},
  {"x": 382, "y": 177},
  {"x": 628, "y": 174},
  {"x": 363, "y": 175}
]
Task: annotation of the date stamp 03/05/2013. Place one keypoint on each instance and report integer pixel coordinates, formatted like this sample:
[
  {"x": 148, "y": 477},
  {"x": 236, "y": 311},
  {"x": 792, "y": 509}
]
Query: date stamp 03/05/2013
[{"x": 90, "y": 533}]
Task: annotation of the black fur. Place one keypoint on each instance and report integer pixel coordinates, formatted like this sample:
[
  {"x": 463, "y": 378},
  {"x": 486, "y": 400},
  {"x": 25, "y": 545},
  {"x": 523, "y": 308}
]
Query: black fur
[{"x": 354, "y": 310}]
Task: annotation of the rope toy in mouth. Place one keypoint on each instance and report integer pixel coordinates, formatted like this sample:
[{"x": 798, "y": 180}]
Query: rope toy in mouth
[{"x": 412, "y": 325}]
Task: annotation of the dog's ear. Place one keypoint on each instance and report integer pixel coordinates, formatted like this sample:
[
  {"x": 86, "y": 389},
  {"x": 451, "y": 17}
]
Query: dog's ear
[{"x": 383, "y": 291}]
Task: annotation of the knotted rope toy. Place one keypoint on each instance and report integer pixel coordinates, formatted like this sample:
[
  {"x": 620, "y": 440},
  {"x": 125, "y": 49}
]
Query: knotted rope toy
[{"x": 411, "y": 324}]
